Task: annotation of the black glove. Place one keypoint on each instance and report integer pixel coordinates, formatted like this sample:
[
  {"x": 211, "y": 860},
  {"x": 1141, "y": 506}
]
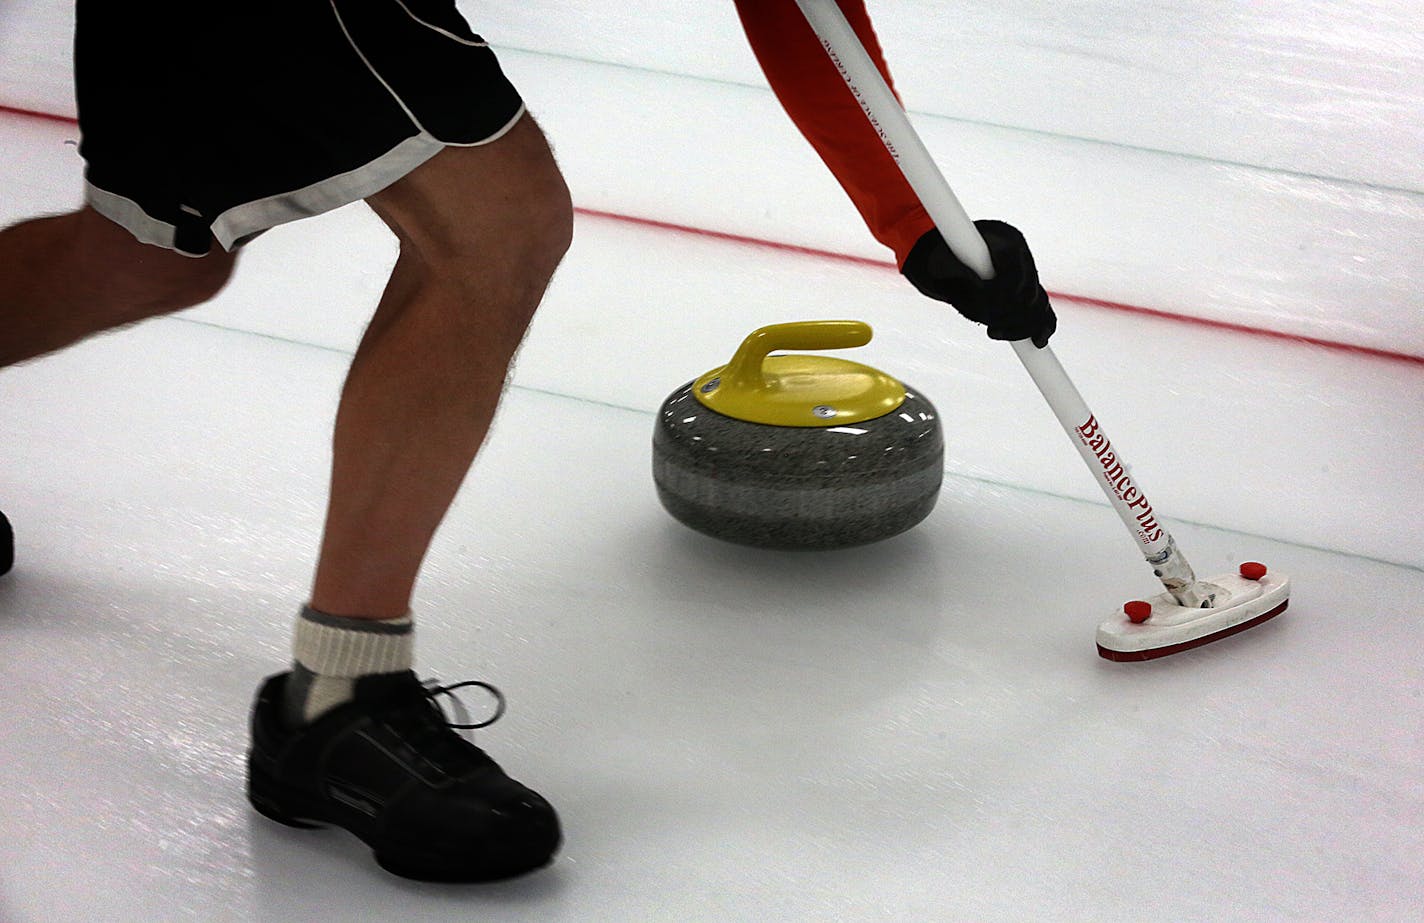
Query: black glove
[{"x": 1013, "y": 304}]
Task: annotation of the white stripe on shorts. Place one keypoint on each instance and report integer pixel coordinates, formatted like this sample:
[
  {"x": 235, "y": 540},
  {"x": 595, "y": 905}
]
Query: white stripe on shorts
[{"x": 127, "y": 213}]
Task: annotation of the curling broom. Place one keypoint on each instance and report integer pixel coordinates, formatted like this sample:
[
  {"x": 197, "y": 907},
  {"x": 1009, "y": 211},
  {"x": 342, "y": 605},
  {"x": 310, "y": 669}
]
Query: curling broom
[{"x": 1191, "y": 612}]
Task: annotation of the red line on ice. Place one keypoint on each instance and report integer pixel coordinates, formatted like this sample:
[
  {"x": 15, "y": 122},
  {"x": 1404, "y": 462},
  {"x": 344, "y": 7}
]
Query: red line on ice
[{"x": 886, "y": 264}]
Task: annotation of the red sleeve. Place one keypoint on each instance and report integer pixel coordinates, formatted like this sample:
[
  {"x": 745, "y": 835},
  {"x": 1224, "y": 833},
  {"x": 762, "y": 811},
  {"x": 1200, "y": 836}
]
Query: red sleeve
[{"x": 813, "y": 93}]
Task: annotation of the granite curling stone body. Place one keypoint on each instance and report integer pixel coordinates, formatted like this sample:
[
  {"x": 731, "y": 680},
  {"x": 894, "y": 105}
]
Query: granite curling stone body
[{"x": 798, "y": 452}]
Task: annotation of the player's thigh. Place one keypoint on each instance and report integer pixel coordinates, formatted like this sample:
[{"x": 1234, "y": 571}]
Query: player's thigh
[{"x": 119, "y": 270}]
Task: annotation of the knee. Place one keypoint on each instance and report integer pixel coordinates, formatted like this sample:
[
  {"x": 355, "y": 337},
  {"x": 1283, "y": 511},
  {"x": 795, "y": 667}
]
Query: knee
[
  {"x": 554, "y": 233},
  {"x": 526, "y": 247},
  {"x": 510, "y": 253},
  {"x": 545, "y": 237},
  {"x": 489, "y": 223}
]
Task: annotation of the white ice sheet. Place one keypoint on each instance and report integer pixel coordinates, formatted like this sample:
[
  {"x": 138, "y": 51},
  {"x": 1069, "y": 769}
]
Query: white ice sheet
[{"x": 916, "y": 730}]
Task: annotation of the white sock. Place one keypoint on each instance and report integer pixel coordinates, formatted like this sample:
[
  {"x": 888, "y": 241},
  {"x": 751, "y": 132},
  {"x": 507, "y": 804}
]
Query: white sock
[{"x": 331, "y": 652}]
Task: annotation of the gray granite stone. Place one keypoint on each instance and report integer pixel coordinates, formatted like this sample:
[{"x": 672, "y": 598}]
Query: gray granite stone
[{"x": 793, "y": 487}]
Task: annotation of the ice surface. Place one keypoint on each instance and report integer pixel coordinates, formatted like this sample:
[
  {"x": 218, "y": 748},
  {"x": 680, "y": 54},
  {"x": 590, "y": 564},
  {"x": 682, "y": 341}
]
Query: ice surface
[{"x": 918, "y": 730}]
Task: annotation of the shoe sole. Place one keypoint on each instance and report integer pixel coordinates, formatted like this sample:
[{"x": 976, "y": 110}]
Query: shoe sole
[
  {"x": 291, "y": 808},
  {"x": 7, "y": 546}
]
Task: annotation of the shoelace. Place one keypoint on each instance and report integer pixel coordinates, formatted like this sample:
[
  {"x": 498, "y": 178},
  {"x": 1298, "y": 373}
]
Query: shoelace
[
  {"x": 416, "y": 716},
  {"x": 433, "y": 688}
]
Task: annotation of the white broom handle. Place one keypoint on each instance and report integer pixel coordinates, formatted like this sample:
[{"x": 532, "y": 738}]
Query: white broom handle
[{"x": 953, "y": 222}]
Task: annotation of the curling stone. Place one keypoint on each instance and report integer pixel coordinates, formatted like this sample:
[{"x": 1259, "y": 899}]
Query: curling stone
[{"x": 798, "y": 452}]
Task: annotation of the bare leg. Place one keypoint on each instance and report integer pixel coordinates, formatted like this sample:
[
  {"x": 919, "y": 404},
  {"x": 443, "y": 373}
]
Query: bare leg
[
  {"x": 481, "y": 231},
  {"x": 70, "y": 276}
]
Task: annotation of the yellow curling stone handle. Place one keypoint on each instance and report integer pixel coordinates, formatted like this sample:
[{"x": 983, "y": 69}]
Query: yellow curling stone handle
[{"x": 800, "y": 390}]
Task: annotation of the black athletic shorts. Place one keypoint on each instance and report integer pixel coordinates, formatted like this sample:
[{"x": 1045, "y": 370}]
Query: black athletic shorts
[{"x": 207, "y": 119}]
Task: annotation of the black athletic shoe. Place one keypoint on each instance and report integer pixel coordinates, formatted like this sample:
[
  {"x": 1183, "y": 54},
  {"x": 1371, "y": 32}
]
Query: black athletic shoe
[
  {"x": 7, "y": 546},
  {"x": 388, "y": 767}
]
